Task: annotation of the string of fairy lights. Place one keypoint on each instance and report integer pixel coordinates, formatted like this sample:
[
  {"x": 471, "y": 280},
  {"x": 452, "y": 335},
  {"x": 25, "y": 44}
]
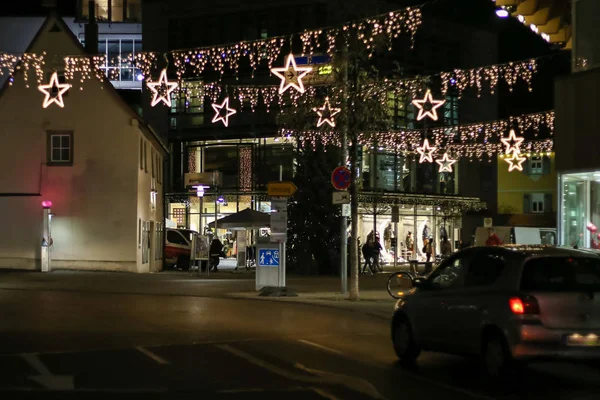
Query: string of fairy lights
[
  {"x": 471, "y": 141},
  {"x": 441, "y": 145}
]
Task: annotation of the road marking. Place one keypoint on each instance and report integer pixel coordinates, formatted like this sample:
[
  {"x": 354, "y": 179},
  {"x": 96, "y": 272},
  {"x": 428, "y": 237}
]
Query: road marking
[
  {"x": 45, "y": 377},
  {"x": 152, "y": 355},
  {"x": 320, "y": 346},
  {"x": 321, "y": 377}
]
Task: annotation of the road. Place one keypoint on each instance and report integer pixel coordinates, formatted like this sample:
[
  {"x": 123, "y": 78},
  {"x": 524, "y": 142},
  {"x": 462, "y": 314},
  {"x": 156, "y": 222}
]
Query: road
[{"x": 87, "y": 344}]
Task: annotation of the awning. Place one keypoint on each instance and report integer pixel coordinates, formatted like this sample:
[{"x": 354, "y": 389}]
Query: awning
[{"x": 245, "y": 219}]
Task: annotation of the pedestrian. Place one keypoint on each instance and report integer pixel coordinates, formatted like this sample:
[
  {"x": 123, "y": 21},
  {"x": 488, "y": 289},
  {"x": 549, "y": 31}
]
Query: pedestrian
[
  {"x": 493, "y": 239},
  {"x": 428, "y": 248},
  {"x": 445, "y": 247},
  {"x": 367, "y": 252},
  {"x": 216, "y": 249},
  {"x": 377, "y": 255}
]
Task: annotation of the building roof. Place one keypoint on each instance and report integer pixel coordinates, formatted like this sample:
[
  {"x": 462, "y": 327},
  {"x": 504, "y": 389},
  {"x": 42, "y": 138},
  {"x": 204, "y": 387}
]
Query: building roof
[{"x": 146, "y": 129}]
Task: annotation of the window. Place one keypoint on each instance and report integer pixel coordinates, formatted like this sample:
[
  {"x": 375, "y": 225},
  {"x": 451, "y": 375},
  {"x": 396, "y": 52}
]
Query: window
[
  {"x": 141, "y": 153},
  {"x": 537, "y": 203},
  {"x": 561, "y": 274},
  {"x": 60, "y": 148},
  {"x": 449, "y": 274},
  {"x": 159, "y": 167},
  {"x": 536, "y": 165},
  {"x": 484, "y": 269},
  {"x": 175, "y": 237},
  {"x": 160, "y": 239},
  {"x": 145, "y": 156},
  {"x": 179, "y": 216},
  {"x": 152, "y": 160}
]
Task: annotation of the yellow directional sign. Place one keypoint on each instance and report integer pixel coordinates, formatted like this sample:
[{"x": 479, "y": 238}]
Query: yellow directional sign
[{"x": 281, "y": 189}]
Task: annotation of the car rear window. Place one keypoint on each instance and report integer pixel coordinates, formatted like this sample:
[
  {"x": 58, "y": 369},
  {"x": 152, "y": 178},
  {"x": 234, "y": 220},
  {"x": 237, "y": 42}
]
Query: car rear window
[{"x": 562, "y": 274}]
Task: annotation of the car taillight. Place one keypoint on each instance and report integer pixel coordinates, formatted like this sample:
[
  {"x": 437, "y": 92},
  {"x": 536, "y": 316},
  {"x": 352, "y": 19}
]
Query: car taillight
[{"x": 524, "y": 305}]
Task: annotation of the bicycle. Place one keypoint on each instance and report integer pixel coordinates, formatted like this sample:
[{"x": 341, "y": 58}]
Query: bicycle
[{"x": 399, "y": 283}]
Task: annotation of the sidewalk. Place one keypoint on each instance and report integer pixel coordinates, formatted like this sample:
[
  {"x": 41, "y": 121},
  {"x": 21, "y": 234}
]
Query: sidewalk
[
  {"x": 326, "y": 291},
  {"x": 313, "y": 290}
]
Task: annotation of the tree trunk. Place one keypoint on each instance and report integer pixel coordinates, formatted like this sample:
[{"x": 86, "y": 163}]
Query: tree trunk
[{"x": 354, "y": 250}]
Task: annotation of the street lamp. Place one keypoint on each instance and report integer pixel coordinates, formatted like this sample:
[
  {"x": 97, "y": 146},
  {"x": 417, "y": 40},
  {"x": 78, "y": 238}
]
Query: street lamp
[{"x": 502, "y": 13}]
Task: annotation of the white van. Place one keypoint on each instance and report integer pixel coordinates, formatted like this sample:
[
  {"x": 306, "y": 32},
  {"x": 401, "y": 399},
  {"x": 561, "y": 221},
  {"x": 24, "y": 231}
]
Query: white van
[{"x": 517, "y": 235}]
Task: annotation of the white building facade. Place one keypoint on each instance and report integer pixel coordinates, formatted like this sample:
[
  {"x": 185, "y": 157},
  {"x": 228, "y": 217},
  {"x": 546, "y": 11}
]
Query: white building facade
[{"x": 95, "y": 159}]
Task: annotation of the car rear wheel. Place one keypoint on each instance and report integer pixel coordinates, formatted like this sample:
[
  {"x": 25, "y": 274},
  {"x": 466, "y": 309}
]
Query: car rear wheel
[
  {"x": 405, "y": 346},
  {"x": 496, "y": 357}
]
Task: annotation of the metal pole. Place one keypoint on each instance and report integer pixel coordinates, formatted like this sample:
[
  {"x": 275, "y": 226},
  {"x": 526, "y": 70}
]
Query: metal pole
[
  {"x": 396, "y": 246},
  {"x": 344, "y": 220}
]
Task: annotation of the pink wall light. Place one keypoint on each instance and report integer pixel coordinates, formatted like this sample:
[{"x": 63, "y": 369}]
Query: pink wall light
[{"x": 47, "y": 204}]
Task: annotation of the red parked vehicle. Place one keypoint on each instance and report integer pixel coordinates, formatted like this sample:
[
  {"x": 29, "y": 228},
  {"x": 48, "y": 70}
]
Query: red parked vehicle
[{"x": 178, "y": 246}]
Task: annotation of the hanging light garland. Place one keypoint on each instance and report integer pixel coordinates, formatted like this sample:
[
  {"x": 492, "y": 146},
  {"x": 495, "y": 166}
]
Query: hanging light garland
[
  {"x": 228, "y": 57},
  {"x": 472, "y": 141}
]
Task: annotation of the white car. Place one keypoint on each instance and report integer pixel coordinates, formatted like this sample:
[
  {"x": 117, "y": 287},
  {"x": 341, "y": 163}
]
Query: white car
[{"x": 507, "y": 304}]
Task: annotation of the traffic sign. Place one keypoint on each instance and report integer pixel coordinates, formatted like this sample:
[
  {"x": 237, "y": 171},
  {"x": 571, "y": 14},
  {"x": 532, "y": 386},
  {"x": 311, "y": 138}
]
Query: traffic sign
[
  {"x": 341, "y": 198},
  {"x": 281, "y": 189},
  {"x": 340, "y": 178},
  {"x": 268, "y": 258}
]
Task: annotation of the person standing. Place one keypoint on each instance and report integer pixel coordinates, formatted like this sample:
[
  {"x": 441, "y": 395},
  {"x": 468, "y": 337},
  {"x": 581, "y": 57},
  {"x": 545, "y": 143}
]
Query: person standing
[
  {"x": 493, "y": 239},
  {"x": 445, "y": 247}
]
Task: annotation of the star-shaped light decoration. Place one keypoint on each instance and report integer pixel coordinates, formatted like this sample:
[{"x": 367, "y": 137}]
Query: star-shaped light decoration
[
  {"x": 429, "y": 111},
  {"x": 223, "y": 112},
  {"x": 445, "y": 163},
  {"x": 326, "y": 114},
  {"x": 508, "y": 142},
  {"x": 162, "y": 89},
  {"x": 56, "y": 98},
  {"x": 426, "y": 151},
  {"x": 291, "y": 75},
  {"x": 516, "y": 162}
]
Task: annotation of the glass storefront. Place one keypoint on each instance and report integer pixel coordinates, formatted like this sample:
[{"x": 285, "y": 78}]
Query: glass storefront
[{"x": 579, "y": 215}]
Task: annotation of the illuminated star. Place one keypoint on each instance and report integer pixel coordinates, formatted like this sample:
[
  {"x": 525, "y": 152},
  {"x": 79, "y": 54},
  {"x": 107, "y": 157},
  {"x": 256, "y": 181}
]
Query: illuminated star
[
  {"x": 329, "y": 113},
  {"x": 445, "y": 163},
  {"x": 516, "y": 162},
  {"x": 220, "y": 115},
  {"x": 426, "y": 152},
  {"x": 512, "y": 138},
  {"x": 57, "y": 98},
  {"x": 162, "y": 89},
  {"x": 291, "y": 75},
  {"x": 430, "y": 112}
]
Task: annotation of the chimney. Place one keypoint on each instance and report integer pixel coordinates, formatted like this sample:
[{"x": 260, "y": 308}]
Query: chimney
[{"x": 91, "y": 30}]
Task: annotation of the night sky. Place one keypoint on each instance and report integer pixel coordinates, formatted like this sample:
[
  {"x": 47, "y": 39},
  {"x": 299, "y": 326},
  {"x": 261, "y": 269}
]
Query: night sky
[{"x": 516, "y": 42}]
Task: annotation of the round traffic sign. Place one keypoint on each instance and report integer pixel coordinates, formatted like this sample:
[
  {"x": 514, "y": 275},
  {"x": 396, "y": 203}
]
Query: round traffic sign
[{"x": 340, "y": 178}]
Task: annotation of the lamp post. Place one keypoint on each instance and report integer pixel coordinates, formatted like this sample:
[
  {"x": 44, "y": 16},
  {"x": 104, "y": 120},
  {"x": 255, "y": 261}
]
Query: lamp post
[{"x": 46, "y": 235}]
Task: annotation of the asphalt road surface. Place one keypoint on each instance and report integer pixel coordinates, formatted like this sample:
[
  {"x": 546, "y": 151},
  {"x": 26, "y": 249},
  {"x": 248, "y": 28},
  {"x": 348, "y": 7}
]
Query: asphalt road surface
[{"x": 61, "y": 344}]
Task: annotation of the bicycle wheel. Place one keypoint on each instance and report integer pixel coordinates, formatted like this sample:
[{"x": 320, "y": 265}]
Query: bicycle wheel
[{"x": 399, "y": 283}]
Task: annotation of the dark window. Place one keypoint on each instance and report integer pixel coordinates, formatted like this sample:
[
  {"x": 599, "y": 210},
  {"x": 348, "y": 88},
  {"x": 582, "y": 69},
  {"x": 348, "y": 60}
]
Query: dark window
[
  {"x": 60, "y": 148},
  {"x": 484, "y": 270},
  {"x": 561, "y": 274},
  {"x": 175, "y": 238}
]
